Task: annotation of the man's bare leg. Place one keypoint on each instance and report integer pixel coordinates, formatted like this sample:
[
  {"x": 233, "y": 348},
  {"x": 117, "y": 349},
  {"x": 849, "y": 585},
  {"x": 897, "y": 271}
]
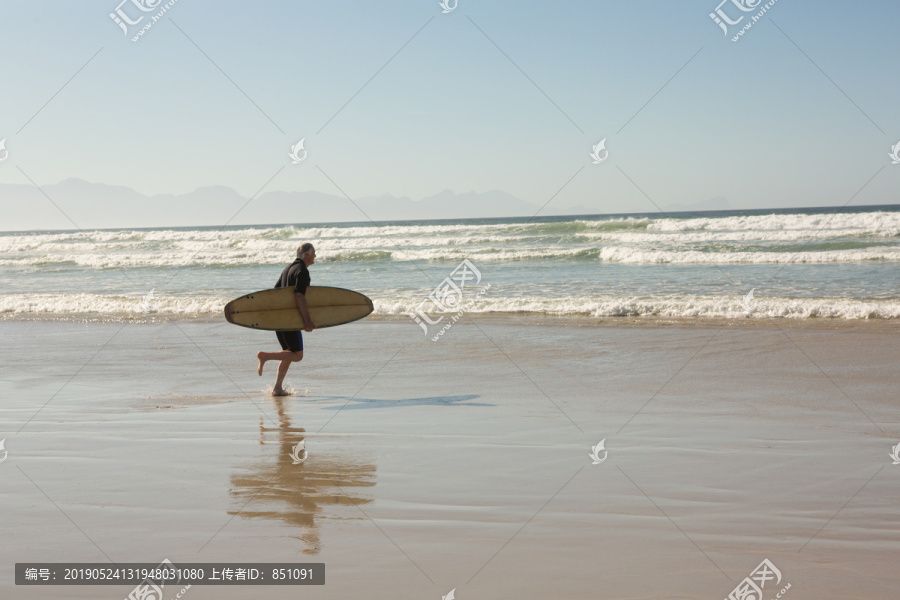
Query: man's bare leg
[
  {"x": 283, "y": 367},
  {"x": 285, "y": 358},
  {"x": 264, "y": 357}
]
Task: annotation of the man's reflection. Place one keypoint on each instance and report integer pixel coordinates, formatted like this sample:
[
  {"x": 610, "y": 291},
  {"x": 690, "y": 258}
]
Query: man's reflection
[{"x": 295, "y": 493}]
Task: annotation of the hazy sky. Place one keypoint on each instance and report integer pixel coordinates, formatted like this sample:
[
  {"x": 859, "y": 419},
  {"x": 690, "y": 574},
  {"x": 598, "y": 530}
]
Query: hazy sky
[{"x": 399, "y": 98}]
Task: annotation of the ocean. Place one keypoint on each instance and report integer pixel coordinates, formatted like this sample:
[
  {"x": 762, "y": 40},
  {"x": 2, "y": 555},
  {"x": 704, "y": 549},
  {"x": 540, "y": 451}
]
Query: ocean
[{"x": 798, "y": 263}]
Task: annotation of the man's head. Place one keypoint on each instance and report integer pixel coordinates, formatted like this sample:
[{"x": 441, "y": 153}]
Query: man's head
[{"x": 306, "y": 253}]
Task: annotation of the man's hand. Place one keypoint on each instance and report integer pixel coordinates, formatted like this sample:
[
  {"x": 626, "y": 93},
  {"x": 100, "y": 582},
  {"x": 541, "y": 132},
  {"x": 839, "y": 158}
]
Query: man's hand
[{"x": 309, "y": 326}]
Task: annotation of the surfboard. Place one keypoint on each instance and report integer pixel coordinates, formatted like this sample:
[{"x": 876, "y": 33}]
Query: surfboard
[{"x": 276, "y": 309}]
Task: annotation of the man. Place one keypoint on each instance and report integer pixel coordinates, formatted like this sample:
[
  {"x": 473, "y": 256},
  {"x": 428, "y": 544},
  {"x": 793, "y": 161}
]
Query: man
[{"x": 295, "y": 275}]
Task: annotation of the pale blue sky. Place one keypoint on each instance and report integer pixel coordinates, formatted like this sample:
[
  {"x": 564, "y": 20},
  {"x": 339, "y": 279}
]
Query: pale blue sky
[{"x": 755, "y": 122}]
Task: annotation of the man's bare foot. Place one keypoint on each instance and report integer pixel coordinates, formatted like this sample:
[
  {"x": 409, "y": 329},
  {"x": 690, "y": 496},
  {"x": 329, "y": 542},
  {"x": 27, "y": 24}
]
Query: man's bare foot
[
  {"x": 261, "y": 363},
  {"x": 280, "y": 392}
]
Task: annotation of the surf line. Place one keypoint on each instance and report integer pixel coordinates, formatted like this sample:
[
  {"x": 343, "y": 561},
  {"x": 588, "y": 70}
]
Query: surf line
[
  {"x": 154, "y": 19},
  {"x": 754, "y": 18},
  {"x": 461, "y": 312}
]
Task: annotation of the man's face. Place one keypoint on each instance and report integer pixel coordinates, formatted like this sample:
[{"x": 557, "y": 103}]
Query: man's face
[{"x": 311, "y": 257}]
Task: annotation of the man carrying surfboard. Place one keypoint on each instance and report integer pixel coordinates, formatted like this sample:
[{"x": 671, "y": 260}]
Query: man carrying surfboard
[{"x": 295, "y": 275}]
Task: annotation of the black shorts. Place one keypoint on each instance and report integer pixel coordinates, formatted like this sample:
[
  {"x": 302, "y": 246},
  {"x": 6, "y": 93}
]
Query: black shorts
[{"x": 290, "y": 340}]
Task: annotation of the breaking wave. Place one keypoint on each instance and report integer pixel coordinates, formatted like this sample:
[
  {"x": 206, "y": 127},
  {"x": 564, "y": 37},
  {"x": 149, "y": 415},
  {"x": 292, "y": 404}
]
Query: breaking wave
[{"x": 183, "y": 306}]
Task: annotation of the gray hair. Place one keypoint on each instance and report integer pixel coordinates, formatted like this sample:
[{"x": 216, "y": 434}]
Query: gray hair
[{"x": 304, "y": 249}]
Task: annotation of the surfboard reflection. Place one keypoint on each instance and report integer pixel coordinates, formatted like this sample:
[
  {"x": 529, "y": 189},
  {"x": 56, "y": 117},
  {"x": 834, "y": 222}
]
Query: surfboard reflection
[{"x": 279, "y": 489}]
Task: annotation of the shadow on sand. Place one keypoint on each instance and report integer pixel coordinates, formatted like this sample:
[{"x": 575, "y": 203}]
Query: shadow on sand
[{"x": 357, "y": 403}]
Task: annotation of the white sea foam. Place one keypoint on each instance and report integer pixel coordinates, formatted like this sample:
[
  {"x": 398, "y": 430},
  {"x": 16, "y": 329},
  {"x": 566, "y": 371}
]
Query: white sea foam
[
  {"x": 674, "y": 306},
  {"x": 110, "y": 304},
  {"x": 879, "y": 224},
  {"x": 196, "y": 306},
  {"x": 883, "y": 224},
  {"x": 608, "y": 253},
  {"x": 820, "y": 238},
  {"x": 638, "y": 256}
]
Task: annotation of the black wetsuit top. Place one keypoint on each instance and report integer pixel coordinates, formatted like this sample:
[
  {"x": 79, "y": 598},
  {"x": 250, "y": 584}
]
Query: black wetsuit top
[{"x": 295, "y": 275}]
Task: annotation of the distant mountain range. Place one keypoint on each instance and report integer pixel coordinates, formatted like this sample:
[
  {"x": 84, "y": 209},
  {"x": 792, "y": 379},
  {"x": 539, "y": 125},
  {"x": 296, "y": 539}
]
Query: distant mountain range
[{"x": 77, "y": 203}]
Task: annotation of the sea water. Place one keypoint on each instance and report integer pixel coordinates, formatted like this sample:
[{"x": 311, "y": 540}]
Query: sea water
[{"x": 799, "y": 263}]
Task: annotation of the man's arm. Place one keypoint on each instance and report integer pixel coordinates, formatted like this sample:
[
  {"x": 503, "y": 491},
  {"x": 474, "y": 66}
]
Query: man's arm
[{"x": 304, "y": 311}]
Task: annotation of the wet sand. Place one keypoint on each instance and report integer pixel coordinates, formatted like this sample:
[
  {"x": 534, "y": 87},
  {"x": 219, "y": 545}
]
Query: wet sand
[{"x": 462, "y": 463}]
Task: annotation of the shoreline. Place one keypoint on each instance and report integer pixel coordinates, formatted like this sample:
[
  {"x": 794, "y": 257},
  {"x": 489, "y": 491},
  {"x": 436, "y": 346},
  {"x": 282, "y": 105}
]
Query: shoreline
[{"x": 518, "y": 319}]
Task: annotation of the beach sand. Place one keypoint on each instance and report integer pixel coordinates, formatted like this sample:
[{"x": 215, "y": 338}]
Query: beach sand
[{"x": 463, "y": 463}]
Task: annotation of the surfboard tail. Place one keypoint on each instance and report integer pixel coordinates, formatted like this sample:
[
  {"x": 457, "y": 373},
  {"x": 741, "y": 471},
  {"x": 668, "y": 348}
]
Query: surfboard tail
[{"x": 229, "y": 312}]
